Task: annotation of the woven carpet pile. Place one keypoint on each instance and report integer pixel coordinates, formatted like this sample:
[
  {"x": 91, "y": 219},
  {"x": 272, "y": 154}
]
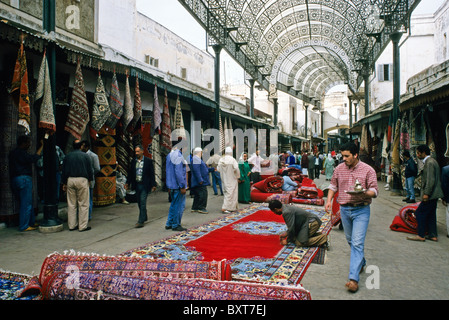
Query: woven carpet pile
[
  {"x": 237, "y": 257},
  {"x": 249, "y": 239}
]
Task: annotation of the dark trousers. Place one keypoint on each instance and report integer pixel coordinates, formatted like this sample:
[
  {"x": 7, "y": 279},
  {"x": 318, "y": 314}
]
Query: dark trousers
[
  {"x": 200, "y": 198},
  {"x": 426, "y": 216},
  {"x": 142, "y": 195}
]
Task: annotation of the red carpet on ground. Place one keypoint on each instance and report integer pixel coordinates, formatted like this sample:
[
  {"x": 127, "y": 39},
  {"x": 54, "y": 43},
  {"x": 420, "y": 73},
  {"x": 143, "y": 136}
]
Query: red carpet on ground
[{"x": 229, "y": 243}]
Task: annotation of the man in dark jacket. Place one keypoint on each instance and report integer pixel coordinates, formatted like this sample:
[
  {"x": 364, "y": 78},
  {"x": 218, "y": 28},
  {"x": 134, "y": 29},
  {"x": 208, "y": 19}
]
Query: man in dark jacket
[
  {"x": 21, "y": 171},
  {"x": 77, "y": 173},
  {"x": 445, "y": 187},
  {"x": 199, "y": 181},
  {"x": 141, "y": 179},
  {"x": 302, "y": 225},
  {"x": 426, "y": 213},
  {"x": 411, "y": 171}
]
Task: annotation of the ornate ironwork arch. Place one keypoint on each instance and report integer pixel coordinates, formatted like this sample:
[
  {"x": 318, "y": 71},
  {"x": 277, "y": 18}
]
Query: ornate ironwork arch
[{"x": 270, "y": 38}]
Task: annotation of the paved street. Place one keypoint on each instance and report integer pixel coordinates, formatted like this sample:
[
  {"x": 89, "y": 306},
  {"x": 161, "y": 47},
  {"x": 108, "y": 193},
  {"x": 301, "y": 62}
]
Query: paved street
[{"x": 405, "y": 269}]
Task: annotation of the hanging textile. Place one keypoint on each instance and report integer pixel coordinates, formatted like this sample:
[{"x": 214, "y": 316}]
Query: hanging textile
[
  {"x": 105, "y": 181},
  {"x": 165, "y": 141},
  {"x": 146, "y": 138},
  {"x": 179, "y": 121},
  {"x": 43, "y": 90},
  {"x": 20, "y": 84},
  {"x": 128, "y": 113},
  {"x": 222, "y": 138},
  {"x": 446, "y": 154},
  {"x": 124, "y": 149},
  {"x": 114, "y": 104},
  {"x": 101, "y": 110},
  {"x": 156, "y": 125},
  {"x": 231, "y": 134},
  {"x": 158, "y": 160},
  {"x": 79, "y": 111},
  {"x": 136, "y": 123}
]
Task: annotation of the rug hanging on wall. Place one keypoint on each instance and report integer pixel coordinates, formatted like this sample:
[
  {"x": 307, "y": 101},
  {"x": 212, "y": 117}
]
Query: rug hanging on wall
[
  {"x": 105, "y": 183},
  {"x": 249, "y": 239}
]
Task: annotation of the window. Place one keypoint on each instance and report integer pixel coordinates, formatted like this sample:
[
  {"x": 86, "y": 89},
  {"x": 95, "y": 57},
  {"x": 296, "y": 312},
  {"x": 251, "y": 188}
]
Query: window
[
  {"x": 152, "y": 61},
  {"x": 385, "y": 72},
  {"x": 184, "y": 73}
]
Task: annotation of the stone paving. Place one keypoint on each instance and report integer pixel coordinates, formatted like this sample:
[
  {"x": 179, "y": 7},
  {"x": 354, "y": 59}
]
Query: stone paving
[{"x": 397, "y": 268}]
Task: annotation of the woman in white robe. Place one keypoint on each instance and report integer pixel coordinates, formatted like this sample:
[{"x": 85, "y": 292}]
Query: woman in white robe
[{"x": 230, "y": 173}]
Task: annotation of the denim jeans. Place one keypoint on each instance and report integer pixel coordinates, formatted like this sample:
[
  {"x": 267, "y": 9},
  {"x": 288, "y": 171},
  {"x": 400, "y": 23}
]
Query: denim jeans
[
  {"x": 91, "y": 202},
  {"x": 216, "y": 178},
  {"x": 410, "y": 187},
  {"x": 23, "y": 189},
  {"x": 177, "y": 206},
  {"x": 355, "y": 224},
  {"x": 426, "y": 217},
  {"x": 142, "y": 195}
]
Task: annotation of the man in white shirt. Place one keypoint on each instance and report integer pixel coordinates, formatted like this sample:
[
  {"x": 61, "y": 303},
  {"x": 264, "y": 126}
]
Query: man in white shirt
[{"x": 255, "y": 161}]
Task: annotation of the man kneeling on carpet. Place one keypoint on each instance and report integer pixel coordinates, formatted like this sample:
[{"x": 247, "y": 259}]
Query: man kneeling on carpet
[{"x": 302, "y": 225}]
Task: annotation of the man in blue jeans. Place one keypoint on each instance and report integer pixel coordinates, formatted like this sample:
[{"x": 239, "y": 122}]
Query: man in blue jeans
[
  {"x": 354, "y": 207},
  {"x": 411, "y": 171},
  {"x": 176, "y": 182},
  {"x": 21, "y": 166}
]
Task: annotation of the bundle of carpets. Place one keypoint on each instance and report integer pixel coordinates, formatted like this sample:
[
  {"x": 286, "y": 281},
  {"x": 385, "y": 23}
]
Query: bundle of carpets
[
  {"x": 92, "y": 277},
  {"x": 271, "y": 189},
  {"x": 405, "y": 220}
]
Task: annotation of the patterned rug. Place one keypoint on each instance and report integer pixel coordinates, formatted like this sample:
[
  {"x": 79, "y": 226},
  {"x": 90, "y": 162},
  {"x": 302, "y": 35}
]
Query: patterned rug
[
  {"x": 272, "y": 264},
  {"x": 93, "y": 286},
  {"x": 12, "y": 284}
]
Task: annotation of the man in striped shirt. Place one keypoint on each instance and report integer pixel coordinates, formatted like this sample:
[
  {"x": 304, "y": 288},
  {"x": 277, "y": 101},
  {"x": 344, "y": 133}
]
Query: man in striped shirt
[{"x": 354, "y": 208}]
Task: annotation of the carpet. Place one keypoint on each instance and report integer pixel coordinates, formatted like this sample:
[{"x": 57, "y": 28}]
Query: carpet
[
  {"x": 105, "y": 180},
  {"x": 249, "y": 239},
  {"x": 405, "y": 220},
  {"x": 127, "y": 267},
  {"x": 12, "y": 284},
  {"x": 94, "y": 286}
]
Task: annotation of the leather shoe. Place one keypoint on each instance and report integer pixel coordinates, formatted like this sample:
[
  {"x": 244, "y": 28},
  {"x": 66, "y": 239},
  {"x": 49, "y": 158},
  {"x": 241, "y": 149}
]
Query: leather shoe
[
  {"x": 410, "y": 201},
  {"x": 179, "y": 228},
  {"x": 87, "y": 229},
  {"x": 139, "y": 225},
  {"x": 352, "y": 286}
]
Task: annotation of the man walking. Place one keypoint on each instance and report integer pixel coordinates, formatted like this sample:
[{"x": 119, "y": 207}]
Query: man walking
[
  {"x": 426, "y": 213},
  {"x": 199, "y": 181},
  {"x": 77, "y": 173},
  {"x": 176, "y": 181},
  {"x": 21, "y": 171},
  {"x": 229, "y": 170},
  {"x": 141, "y": 178},
  {"x": 354, "y": 208}
]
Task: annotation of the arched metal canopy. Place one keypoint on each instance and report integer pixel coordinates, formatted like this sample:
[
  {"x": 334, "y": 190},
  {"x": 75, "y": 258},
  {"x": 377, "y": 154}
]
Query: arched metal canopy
[{"x": 303, "y": 47}]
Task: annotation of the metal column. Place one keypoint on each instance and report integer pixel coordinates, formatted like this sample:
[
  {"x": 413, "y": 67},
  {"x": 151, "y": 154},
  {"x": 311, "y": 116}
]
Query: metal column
[
  {"x": 51, "y": 220},
  {"x": 217, "y": 50}
]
